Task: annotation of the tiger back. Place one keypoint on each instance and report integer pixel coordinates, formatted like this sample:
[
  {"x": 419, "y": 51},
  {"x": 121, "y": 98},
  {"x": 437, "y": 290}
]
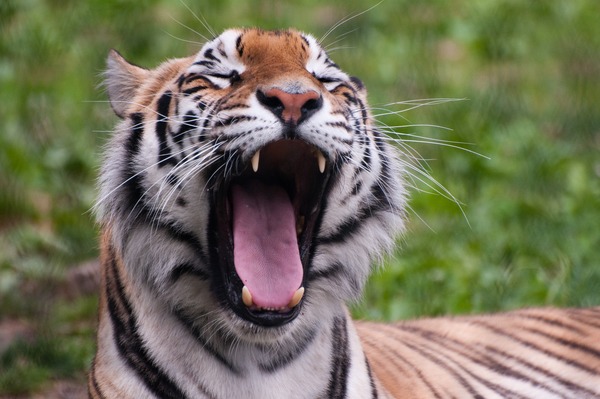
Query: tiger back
[{"x": 244, "y": 198}]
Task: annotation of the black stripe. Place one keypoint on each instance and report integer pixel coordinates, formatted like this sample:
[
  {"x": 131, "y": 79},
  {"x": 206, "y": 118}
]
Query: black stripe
[
  {"x": 583, "y": 319},
  {"x": 551, "y": 322},
  {"x": 305, "y": 40},
  {"x": 202, "y": 106},
  {"x": 172, "y": 179},
  {"x": 331, "y": 272},
  {"x": 233, "y": 106},
  {"x": 177, "y": 233},
  {"x": 164, "y": 153},
  {"x": 194, "y": 76},
  {"x": 339, "y": 124},
  {"x": 355, "y": 190},
  {"x": 188, "y": 268},
  {"x": 350, "y": 226},
  {"x": 350, "y": 97},
  {"x": 229, "y": 75},
  {"x": 132, "y": 179},
  {"x": 190, "y": 122},
  {"x": 555, "y": 377},
  {"x": 128, "y": 340},
  {"x": 593, "y": 313},
  {"x": 365, "y": 163},
  {"x": 300, "y": 345},
  {"x": 357, "y": 82},
  {"x": 368, "y": 210},
  {"x": 588, "y": 350},
  {"x": 374, "y": 394},
  {"x": 382, "y": 199},
  {"x": 331, "y": 64},
  {"x": 340, "y": 360},
  {"x": 480, "y": 357},
  {"x": 344, "y": 230},
  {"x": 534, "y": 346},
  {"x": 454, "y": 368},
  {"x": 209, "y": 54},
  {"x": 206, "y": 345},
  {"x": 208, "y": 64},
  {"x": 93, "y": 383},
  {"x": 132, "y": 144},
  {"x": 387, "y": 353},
  {"x": 364, "y": 114},
  {"x": 237, "y": 119},
  {"x": 194, "y": 89},
  {"x": 239, "y": 46},
  {"x": 326, "y": 273}
]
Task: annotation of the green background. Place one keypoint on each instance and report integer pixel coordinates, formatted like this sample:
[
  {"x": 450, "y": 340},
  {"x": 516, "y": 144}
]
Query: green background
[{"x": 527, "y": 74}]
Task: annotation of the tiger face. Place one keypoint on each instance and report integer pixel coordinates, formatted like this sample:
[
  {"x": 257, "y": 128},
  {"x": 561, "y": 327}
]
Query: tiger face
[{"x": 247, "y": 187}]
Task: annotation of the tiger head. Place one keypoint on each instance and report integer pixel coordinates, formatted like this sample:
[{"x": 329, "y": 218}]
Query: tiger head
[{"x": 247, "y": 186}]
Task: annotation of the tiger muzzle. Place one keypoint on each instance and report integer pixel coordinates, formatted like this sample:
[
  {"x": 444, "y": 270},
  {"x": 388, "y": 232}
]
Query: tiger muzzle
[{"x": 266, "y": 219}]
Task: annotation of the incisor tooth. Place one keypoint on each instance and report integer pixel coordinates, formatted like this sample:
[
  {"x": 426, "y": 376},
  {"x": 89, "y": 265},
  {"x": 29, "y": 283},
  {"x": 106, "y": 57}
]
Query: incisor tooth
[
  {"x": 321, "y": 161},
  {"x": 255, "y": 160},
  {"x": 296, "y": 298},
  {"x": 246, "y": 296}
]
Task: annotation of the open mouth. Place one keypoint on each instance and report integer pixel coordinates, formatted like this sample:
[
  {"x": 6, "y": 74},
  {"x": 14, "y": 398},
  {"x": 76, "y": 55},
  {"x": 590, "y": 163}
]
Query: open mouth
[{"x": 266, "y": 218}]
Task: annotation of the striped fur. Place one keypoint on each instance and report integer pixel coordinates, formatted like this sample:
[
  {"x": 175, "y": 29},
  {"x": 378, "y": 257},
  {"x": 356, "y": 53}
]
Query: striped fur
[
  {"x": 174, "y": 321},
  {"x": 534, "y": 353}
]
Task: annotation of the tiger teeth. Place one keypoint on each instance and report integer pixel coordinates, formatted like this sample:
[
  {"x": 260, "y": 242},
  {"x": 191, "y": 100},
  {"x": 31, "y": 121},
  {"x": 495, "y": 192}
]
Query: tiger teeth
[
  {"x": 255, "y": 160},
  {"x": 246, "y": 296},
  {"x": 296, "y": 298},
  {"x": 321, "y": 161},
  {"x": 300, "y": 225},
  {"x": 247, "y": 300}
]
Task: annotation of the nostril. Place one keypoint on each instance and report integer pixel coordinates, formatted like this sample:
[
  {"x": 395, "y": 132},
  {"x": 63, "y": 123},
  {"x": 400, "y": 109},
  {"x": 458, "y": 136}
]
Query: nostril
[
  {"x": 291, "y": 108},
  {"x": 271, "y": 102},
  {"x": 312, "y": 104}
]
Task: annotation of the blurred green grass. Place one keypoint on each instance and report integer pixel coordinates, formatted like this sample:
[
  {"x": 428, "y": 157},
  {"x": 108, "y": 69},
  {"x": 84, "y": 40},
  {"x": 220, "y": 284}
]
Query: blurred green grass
[{"x": 530, "y": 76}]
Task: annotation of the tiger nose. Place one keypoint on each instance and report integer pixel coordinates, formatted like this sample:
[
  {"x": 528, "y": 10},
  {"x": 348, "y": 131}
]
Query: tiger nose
[{"x": 291, "y": 108}]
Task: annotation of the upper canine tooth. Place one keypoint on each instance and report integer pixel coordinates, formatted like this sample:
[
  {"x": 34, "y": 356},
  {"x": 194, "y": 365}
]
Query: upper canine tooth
[
  {"x": 296, "y": 298},
  {"x": 321, "y": 160},
  {"x": 255, "y": 160},
  {"x": 246, "y": 296}
]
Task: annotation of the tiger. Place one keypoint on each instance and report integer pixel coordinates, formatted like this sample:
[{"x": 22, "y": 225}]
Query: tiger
[{"x": 244, "y": 198}]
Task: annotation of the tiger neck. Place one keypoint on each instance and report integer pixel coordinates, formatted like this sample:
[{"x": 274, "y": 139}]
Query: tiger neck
[{"x": 159, "y": 346}]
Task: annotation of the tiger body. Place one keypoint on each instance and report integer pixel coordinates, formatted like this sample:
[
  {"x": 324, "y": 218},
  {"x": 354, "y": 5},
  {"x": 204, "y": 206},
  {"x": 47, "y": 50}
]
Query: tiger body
[{"x": 243, "y": 199}]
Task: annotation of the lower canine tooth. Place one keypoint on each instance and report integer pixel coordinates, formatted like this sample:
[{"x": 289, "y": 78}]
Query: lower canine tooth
[
  {"x": 246, "y": 296},
  {"x": 296, "y": 298}
]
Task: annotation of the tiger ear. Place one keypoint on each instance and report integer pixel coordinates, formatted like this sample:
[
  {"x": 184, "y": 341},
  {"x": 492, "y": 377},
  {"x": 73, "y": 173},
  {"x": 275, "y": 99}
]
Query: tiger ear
[{"x": 122, "y": 80}]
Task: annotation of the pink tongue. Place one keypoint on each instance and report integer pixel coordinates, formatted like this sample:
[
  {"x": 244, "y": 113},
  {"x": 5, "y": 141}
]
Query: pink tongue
[{"x": 265, "y": 247}]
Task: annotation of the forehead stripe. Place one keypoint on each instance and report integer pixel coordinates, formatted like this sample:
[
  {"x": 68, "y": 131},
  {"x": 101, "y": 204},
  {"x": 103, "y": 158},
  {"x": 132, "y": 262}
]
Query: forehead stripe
[
  {"x": 209, "y": 54},
  {"x": 238, "y": 45}
]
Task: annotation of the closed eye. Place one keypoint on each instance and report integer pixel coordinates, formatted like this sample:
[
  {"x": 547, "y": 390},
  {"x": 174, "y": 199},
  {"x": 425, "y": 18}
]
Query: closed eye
[
  {"x": 329, "y": 82},
  {"x": 233, "y": 76},
  {"x": 326, "y": 79},
  {"x": 229, "y": 78}
]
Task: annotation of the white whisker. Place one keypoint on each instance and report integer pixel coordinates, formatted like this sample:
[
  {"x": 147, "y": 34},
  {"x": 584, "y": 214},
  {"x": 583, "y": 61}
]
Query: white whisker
[{"x": 345, "y": 20}]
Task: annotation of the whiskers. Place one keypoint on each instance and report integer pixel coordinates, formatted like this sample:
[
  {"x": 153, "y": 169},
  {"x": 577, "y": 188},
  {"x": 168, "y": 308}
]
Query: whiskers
[
  {"x": 344, "y": 21},
  {"x": 416, "y": 166},
  {"x": 194, "y": 157}
]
